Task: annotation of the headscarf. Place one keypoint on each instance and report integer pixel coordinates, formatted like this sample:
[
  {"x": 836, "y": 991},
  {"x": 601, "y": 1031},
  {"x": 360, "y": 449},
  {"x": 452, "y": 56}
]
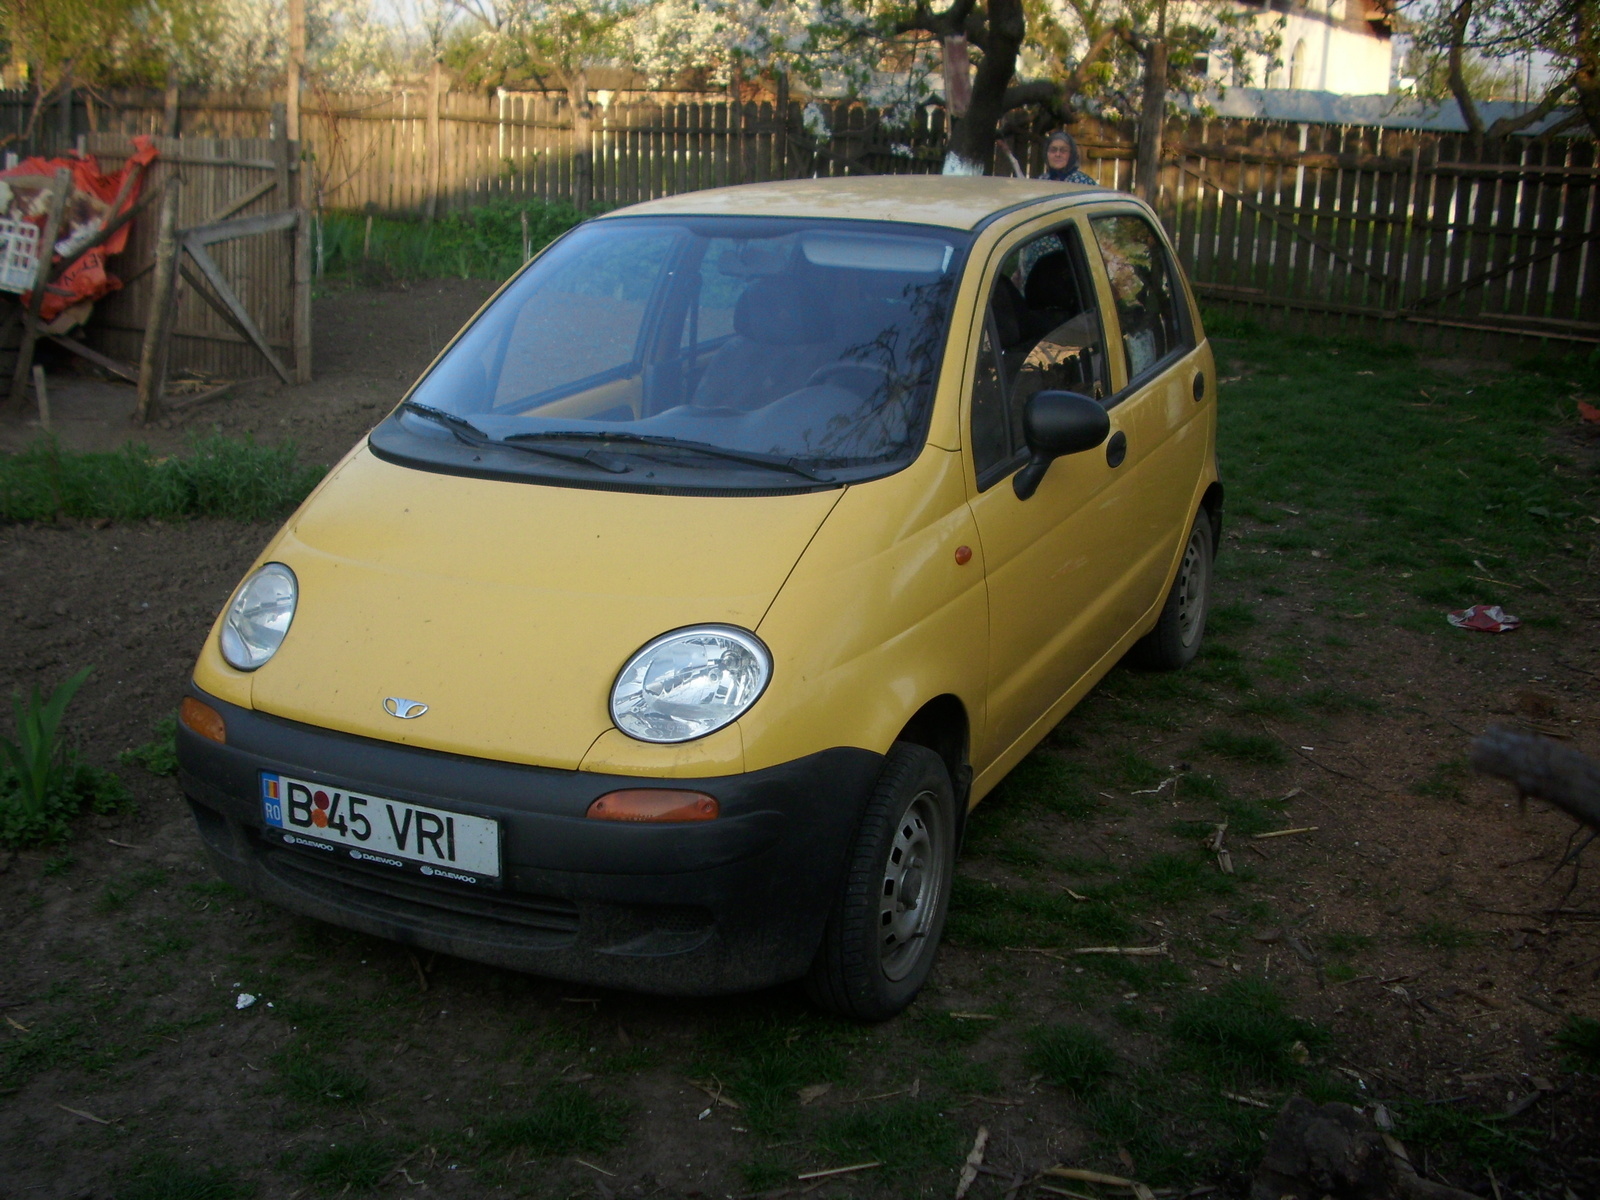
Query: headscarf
[{"x": 1065, "y": 174}]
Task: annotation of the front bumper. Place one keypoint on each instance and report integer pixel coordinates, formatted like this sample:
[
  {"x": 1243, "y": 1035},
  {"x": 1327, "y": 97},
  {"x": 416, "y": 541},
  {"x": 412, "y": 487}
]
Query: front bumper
[{"x": 724, "y": 905}]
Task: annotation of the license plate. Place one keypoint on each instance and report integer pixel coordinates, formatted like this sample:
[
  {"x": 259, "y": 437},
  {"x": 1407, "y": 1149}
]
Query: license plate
[{"x": 371, "y": 829}]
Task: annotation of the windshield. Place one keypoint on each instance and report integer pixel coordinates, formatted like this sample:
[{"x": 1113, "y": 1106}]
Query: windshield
[{"x": 716, "y": 352}]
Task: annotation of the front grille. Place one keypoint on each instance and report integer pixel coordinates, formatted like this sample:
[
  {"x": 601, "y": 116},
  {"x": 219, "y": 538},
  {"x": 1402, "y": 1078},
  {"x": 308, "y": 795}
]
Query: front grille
[{"x": 534, "y": 922}]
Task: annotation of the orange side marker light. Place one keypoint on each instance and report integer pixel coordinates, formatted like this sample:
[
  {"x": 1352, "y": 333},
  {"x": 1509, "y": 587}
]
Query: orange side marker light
[
  {"x": 963, "y": 555},
  {"x": 654, "y": 804},
  {"x": 203, "y": 719}
]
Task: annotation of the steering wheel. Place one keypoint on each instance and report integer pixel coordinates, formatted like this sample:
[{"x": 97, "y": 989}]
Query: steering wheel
[{"x": 878, "y": 373}]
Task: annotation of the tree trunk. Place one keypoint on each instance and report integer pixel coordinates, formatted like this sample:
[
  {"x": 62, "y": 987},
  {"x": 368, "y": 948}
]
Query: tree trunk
[
  {"x": 1586, "y": 71},
  {"x": 582, "y": 137},
  {"x": 1459, "y": 19},
  {"x": 297, "y": 58},
  {"x": 972, "y": 135},
  {"x": 1152, "y": 119}
]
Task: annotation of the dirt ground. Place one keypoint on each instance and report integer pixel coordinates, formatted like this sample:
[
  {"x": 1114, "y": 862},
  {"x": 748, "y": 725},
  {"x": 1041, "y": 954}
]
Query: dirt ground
[{"x": 1424, "y": 919}]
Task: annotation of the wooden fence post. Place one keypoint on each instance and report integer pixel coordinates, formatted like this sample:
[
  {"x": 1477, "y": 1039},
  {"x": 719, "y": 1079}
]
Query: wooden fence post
[
  {"x": 60, "y": 189},
  {"x": 153, "y": 356},
  {"x": 300, "y": 318},
  {"x": 435, "y": 82}
]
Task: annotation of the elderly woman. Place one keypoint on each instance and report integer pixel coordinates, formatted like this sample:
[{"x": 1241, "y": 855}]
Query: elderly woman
[{"x": 1061, "y": 159}]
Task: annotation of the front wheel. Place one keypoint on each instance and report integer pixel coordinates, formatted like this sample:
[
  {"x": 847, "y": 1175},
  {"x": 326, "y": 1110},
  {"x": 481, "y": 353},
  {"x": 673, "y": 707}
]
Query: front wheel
[
  {"x": 1175, "y": 640},
  {"x": 884, "y": 930}
]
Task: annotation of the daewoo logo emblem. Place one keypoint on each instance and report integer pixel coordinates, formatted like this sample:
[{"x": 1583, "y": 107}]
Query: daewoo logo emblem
[{"x": 406, "y": 710}]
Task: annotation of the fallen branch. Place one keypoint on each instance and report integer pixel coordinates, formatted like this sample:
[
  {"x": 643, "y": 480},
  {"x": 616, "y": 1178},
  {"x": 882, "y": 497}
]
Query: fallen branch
[
  {"x": 1277, "y": 833},
  {"x": 832, "y": 1171},
  {"x": 969, "y": 1172},
  {"x": 1132, "y": 951}
]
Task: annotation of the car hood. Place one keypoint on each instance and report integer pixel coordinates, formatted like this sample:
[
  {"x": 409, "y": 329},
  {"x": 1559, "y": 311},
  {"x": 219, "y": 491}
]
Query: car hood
[{"x": 506, "y": 608}]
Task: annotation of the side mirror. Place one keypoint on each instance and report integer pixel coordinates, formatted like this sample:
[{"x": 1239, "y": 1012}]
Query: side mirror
[{"x": 1057, "y": 423}]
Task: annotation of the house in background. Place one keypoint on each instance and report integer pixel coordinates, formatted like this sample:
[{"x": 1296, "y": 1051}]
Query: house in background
[{"x": 1341, "y": 46}]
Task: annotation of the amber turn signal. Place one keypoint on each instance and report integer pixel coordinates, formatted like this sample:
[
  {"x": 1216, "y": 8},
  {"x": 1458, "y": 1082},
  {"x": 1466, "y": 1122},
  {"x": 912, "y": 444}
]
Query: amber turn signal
[
  {"x": 203, "y": 719},
  {"x": 653, "y": 804}
]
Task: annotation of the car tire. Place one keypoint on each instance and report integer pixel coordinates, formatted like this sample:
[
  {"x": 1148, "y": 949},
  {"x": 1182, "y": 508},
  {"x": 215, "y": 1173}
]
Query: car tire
[
  {"x": 883, "y": 933},
  {"x": 1175, "y": 640}
]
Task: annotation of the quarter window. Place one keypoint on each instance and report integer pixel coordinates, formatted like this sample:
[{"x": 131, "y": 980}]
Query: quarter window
[
  {"x": 1145, "y": 288},
  {"x": 1041, "y": 331}
]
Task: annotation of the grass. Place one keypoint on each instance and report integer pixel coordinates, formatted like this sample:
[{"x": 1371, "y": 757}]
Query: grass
[
  {"x": 341, "y": 1166},
  {"x": 562, "y": 1118},
  {"x": 1244, "y": 1032},
  {"x": 485, "y": 243},
  {"x": 1071, "y": 1056},
  {"x": 307, "y": 1076},
  {"x": 1253, "y": 749},
  {"x": 219, "y": 477},
  {"x": 158, "y": 756},
  {"x": 1580, "y": 1039},
  {"x": 906, "y": 1135},
  {"x": 166, "y": 1177},
  {"x": 1445, "y": 781}
]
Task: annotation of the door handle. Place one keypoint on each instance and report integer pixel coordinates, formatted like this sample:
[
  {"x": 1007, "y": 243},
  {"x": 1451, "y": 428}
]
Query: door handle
[
  {"x": 1116, "y": 449},
  {"x": 1199, "y": 386}
]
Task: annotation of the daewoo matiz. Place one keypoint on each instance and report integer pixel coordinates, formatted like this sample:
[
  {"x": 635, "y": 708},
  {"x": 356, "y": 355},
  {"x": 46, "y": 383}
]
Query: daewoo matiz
[{"x": 664, "y": 634}]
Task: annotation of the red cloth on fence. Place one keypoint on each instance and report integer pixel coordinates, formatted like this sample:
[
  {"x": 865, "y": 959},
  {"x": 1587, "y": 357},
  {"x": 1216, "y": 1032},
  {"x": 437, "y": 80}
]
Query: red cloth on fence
[{"x": 88, "y": 208}]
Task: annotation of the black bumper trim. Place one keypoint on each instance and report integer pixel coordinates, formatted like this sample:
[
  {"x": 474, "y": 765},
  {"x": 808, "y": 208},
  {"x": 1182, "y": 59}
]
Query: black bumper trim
[{"x": 693, "y": 909}]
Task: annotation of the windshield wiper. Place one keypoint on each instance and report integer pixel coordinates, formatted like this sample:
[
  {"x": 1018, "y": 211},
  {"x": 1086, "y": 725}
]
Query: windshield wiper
[
  {"x": 750, "y": 457},
  {"x": 466, "y": 431}
]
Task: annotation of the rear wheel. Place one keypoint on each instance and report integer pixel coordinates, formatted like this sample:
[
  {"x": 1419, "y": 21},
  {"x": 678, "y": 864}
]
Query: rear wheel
[
  {"x": 884, "y": 930},
  {"x": 1175, "y": 640}
]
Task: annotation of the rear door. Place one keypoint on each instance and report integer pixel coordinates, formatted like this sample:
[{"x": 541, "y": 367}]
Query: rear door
[{"x": 1155, "y": 411}]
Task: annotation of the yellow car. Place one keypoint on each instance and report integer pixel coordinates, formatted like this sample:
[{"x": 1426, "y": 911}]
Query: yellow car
[{"x": 665, "y": 633}]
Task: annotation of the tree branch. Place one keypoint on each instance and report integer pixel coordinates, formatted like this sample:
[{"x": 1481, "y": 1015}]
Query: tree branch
[{"x": 1552, "y": 100}]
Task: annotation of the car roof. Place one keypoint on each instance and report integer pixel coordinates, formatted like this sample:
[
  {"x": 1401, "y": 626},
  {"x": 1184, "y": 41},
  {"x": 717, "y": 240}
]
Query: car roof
[{"x": 952, "y": 201}]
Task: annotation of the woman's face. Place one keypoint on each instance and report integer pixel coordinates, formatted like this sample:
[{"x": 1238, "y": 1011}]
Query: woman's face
[{"x": 1057, "y": 155}]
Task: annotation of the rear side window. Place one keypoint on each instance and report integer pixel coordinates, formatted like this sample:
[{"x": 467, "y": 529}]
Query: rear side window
[{"x": 1149, "y": 301}]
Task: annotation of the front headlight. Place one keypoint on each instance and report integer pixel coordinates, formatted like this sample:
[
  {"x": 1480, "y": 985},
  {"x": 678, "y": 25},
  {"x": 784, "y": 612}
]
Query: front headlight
[
  {"x": 686, "y": 684},
  {"x": 258, "y": 617}
]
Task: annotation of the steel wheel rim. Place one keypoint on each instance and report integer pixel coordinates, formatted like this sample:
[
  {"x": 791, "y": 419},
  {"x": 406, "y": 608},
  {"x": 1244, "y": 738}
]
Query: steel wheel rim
[
  {"x": 1192, "y": 589},
  {"x": 913, "y": 886}
]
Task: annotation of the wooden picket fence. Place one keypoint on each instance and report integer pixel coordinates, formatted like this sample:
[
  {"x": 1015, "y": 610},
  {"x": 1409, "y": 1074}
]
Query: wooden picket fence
[{"x": 1443, "y": 240}]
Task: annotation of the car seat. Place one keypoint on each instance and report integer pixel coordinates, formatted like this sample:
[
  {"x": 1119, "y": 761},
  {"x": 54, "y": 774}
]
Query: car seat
[{"x": 783, "y": 330}]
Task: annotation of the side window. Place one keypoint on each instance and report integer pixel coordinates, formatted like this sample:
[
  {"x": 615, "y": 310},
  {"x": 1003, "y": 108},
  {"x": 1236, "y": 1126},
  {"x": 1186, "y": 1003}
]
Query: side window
[
  {"x": 1148, "y": 298},
  {"x": 1041, "y": 331}
]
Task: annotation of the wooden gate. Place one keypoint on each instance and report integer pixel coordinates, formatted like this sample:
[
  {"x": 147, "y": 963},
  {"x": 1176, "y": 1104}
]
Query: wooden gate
[
  {"x": 1367, "y": 231},
  {"x": 242, "y": 302}
]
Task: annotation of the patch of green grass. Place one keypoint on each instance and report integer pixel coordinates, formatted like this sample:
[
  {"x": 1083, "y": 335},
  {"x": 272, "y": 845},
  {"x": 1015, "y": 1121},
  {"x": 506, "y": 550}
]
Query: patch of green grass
[
  {"x": 958, "y": 1072},
  {"x": 1444, "y": 935},
  {"x": 342, "y": 1166},
  {"x": 991, "y": 917},
  {"x": 1455, "y": 1136},
  {"x": 1342, "y": 941},
  {"x": 1071, "y": 1056},
  {"x": 1174, "y": 879},
  {"x": 160, "y": 756},
  {"x": 1048, "y": 782},
  {"x": 765, "y": 1174},
  {"x": 1580, "y": 1038},
  {"x": 562, "y": 1118},
  {"x": 907, "y": 1135},
  {"x": 218, "y": 477},
  {"x": 1445, "y": 781},
  {"x": 167, "y": 1177},
  {"x": 1255, "y": 749},
  {"x": 1234, "y": 617},
  {"x": 765, "y": 1057},
  {"x": 308, "y": 1076},
  {"x": 1245, "y": 1031},
  {"x": 1134, "y": 770},
  {"x": 58, "y": 864},
  {"x": 1335, "y": 700},
  {"x": 482, "y": 243}
]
